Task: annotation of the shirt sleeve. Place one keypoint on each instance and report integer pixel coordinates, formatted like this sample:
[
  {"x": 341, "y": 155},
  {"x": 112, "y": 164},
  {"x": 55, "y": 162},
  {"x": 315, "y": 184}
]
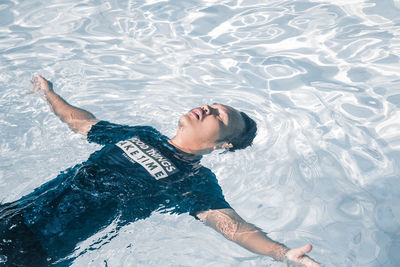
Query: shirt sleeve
[
  {"x": 207, "y": 194},
  {"x": 105, "y": 132}
]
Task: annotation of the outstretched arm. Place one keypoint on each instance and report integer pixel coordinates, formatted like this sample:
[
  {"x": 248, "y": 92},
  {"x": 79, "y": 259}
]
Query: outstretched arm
[
  {"x": 79, "y": 120},
  {"x": 233, "y": 227}
]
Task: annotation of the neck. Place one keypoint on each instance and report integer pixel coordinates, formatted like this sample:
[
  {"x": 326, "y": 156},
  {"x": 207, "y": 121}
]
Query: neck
[{"x": 188, "y": 147}]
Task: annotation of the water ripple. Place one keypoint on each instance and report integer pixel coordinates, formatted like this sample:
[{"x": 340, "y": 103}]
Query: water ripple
[{"x": 320, "y": 78}]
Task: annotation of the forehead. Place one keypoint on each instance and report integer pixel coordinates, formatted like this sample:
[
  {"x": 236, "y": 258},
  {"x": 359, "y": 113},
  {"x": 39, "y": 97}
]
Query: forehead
[
  {"x": 234, "y": 117},
  {"x": 228, "y": 109}
]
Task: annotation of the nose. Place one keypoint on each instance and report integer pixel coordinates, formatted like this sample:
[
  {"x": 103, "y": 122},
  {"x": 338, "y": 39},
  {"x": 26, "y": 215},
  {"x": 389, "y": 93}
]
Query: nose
[{"x": 207, "y": 109}]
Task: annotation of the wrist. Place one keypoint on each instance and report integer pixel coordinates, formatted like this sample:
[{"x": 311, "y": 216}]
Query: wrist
[
  {"x": 50, "y": 97},
  {"x": 281, "y": 255}
]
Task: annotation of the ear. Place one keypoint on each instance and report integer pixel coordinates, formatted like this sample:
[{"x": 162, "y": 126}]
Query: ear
[{"x": 223, "y": 145}]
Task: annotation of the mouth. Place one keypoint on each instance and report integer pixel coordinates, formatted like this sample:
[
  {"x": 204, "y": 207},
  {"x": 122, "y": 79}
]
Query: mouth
[{"x": 197, "y": 113}]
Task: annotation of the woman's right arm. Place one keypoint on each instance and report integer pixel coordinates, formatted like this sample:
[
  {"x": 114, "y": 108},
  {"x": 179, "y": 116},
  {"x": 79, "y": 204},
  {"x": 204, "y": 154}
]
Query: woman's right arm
[{"x": 79, "y": 120}]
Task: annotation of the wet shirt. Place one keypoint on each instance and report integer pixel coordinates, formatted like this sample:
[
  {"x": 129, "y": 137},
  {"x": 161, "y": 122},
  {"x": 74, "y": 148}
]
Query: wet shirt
[{"x": 136, "y": 173}]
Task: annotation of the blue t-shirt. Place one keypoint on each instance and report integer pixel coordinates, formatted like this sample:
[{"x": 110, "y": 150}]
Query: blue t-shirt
[{"x": 136, "y": 173}]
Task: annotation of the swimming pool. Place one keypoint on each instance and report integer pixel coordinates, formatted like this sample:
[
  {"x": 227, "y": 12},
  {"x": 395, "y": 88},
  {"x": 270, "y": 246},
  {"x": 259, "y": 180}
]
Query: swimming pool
[{"x": 321, "y": 78}]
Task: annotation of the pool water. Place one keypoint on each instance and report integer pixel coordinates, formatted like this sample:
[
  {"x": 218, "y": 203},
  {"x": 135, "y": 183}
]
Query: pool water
[{"x": 321, "y": 78}]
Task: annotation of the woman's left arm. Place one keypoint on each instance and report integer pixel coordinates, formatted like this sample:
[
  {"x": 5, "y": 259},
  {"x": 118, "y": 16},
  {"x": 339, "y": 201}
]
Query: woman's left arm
[{"x": 233, "y": 227}]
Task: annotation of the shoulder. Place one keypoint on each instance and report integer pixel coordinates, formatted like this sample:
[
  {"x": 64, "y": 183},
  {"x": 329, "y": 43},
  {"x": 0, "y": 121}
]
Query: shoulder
[
  {"x": 204, "y": 171},
  {"x": 206, "y": 175},
  {"x": 206, "y": 182}
]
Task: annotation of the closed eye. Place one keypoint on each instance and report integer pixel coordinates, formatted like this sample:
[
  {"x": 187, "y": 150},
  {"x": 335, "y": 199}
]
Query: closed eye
[{"x": 220, "y": 113}]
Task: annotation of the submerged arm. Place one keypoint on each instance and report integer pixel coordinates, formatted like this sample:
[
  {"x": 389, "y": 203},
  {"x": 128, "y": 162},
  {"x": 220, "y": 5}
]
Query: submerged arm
[
  {"x": 233, "y": 227},
  {"x": 79, "y": 120}
]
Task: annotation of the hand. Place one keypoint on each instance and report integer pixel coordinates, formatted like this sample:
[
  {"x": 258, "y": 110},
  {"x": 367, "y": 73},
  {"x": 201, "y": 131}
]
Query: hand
[
  {"x": 41, "y": 86},
  {"x": 296, "y": 257}
]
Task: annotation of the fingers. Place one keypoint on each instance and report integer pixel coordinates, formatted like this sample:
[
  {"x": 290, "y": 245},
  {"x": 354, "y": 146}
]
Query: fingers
[
  {"x": 305, "y": 249},
  {"x": 299, "y": 252},
  {"x": 308, "y": 262},
  {"x": 36, "y": 84},
  {"x": 43, "y": 82},
  {"x": 40, "y": 85},
  {"x": 41, "y": 78},
  {"x": 297, "y": 255}
]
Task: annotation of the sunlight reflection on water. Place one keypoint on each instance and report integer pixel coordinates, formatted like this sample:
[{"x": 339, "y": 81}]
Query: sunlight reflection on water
[{"x": 320, "y": 77}]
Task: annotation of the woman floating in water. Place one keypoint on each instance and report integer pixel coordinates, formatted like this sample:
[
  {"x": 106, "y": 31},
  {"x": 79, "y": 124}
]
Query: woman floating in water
[{"x": 137, "y": 172}]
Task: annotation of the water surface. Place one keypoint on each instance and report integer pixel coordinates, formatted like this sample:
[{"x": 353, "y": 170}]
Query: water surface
[{"x": 321, "y": 78}]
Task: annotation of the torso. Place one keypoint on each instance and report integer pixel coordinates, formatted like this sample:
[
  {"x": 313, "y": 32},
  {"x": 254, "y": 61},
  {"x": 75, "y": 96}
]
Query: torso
[{"x": 126, "y": 180}]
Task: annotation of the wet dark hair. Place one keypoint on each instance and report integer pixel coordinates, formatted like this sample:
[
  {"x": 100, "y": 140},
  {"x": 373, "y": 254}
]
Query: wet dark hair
[{"x": 246, "y": 138}]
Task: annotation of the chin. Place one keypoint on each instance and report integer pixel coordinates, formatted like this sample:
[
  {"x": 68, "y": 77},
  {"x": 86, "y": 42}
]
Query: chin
[{"x": 182, "y": 121}]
